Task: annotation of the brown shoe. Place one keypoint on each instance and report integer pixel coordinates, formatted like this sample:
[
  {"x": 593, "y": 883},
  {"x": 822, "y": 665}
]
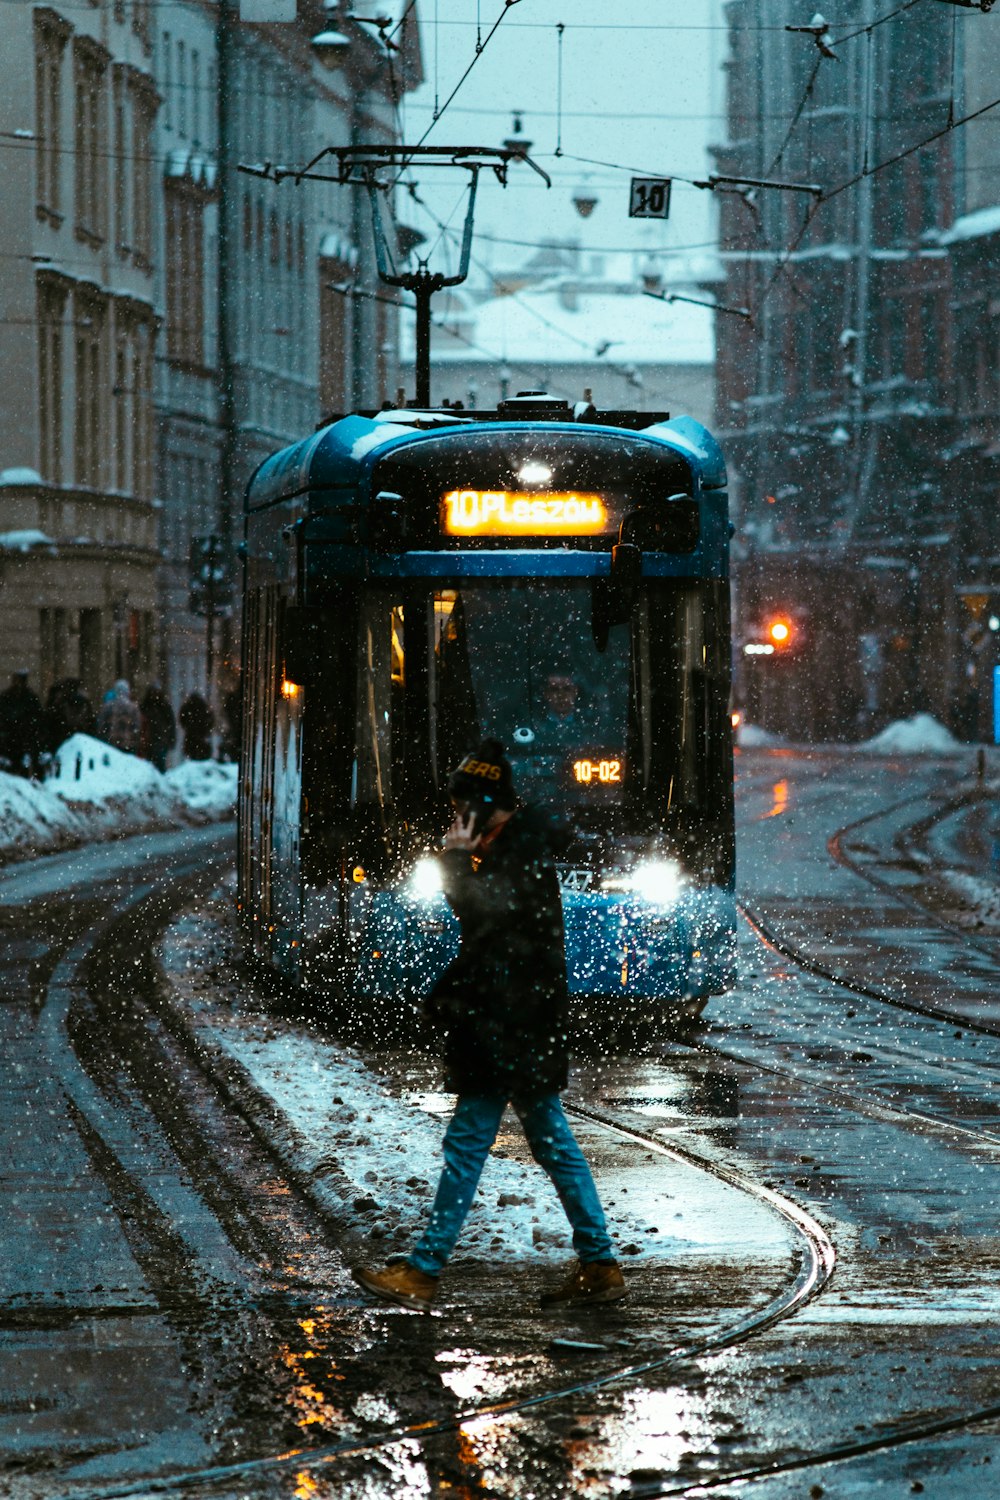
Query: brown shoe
[
  {"x": 402, "y": 1283},
  {"x": 594, "y": 1282}
]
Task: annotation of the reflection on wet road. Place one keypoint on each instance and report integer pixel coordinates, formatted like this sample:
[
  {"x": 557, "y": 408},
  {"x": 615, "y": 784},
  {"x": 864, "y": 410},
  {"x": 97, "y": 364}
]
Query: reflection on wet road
[{"x": 221, "y": 1329}]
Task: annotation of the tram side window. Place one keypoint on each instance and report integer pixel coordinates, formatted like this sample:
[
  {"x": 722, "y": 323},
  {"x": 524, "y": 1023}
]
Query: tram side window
[
  {"x": 454, "y": 725},
  {"x": 681, "y": 680},
  {"x": 328, "y": 739},
  {"x": 380, "y": 700}
]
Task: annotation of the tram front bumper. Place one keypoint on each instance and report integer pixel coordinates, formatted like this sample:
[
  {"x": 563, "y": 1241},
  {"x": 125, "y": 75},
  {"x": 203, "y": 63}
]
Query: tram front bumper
[{"x": 616, "y": 944}]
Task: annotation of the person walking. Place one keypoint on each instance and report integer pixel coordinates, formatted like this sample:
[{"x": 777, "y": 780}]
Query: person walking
[
  {"x": 119, "y": 719},
  {"x": 500, "y": 1010},
  {"x": 159, "y": 727},
  {"x": 196, "y": 721}
]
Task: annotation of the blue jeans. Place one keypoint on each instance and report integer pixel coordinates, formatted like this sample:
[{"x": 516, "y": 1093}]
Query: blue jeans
[{"x": 467, "y": 1143}]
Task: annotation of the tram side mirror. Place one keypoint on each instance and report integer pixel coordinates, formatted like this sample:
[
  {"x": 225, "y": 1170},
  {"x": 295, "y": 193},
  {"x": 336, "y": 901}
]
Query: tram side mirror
[
  {"x": 387, "y": 521},
  {"x": 306, "y": 637},
  {"x": 613, "y": 598},
  {"x": 674, "y": 527}
]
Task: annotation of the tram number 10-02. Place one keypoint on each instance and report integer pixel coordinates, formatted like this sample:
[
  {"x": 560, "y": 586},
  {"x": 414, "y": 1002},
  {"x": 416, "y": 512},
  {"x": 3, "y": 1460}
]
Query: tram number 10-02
[{"x": 605, "y": 771}]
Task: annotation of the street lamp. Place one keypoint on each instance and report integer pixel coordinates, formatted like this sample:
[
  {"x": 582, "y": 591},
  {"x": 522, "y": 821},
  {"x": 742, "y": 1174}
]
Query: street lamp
[
  {"x": 585, "y": 200},
  {"x": 331, "y": 47}
]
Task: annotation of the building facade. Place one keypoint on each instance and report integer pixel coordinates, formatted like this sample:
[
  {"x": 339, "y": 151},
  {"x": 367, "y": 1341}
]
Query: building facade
[
  {"x": 78, "y": 520},
  {"x": 257, "y": 347},
  {"x": 582, "y": 327},
  {"x": 167, "y": 319},
  {"x": 841, "y": 402}
]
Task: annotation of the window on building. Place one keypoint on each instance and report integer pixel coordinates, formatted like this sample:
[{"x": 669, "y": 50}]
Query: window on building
[
  {"x": 90, "y": 387},
  {"x": 142, "y": 410},
  {"x": 196, "y": 99},
  {"x": 121, "y": 393},
  {"x": 52, "y": 295},
  {"x": 141, "y": 22},
  {"x": 931, "y": 335},
  {"x": 182, "y": 102},
  {"x": 167, "y": 75},
  {"x": 185, "y": 274},
  {"x": 144, "y": 106},
  {"x": 90, "y": 62},
  {"x": 893, "y": 339},
  {"x": 51, "y": 34},
  {"x": 121, "y": 226},
  {"x": 53, "y": 641}
]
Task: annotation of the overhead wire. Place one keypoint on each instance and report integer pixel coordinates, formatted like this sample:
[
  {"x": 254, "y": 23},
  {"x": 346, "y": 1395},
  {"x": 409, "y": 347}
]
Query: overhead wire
[{"x": 787, "y": 255}]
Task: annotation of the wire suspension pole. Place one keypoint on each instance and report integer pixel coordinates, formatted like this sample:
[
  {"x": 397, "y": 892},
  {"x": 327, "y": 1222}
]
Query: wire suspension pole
[{"x": 560, "y": 29}]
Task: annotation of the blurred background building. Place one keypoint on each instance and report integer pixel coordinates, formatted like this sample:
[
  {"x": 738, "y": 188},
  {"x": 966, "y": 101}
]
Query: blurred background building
[
  {"x": 859, "y": 408},
  {"x": 569, "y": 322},
  {"x": 167, "y": 319}
]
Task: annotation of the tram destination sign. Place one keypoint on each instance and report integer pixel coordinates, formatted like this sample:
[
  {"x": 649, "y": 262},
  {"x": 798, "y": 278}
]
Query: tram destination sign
[{"x": 516, "y": 513}]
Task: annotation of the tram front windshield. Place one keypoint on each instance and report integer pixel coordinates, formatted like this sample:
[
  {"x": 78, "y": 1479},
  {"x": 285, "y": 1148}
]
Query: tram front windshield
[
  {"x": 517, "y": 661},
  {"x": 632, "y": 739}
]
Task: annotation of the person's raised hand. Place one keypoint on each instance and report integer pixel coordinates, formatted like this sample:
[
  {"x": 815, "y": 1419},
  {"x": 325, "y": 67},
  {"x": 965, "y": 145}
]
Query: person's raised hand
[{"x": 460, "y": 834}]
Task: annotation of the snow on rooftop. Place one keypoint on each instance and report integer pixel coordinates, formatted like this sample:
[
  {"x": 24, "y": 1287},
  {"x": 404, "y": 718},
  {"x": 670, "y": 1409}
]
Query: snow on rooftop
[
  {"x": 971, "y": 226},
  {"x": 20, "y": 475},
  {"x": 570, "y": 322},
  {"x": 23, "y": 541}
]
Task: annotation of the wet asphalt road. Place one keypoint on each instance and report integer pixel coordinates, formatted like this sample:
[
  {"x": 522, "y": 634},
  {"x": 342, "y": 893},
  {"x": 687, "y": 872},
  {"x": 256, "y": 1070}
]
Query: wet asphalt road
[{"x": 171, "y": 1302}]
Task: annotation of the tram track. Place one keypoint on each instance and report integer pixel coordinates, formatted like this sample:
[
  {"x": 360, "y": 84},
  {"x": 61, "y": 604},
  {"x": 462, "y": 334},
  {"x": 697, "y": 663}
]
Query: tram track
[
  {"x": 182, "y": 1290},
  {"x": 815, "y": 1268},
  {"x": 837, "y": 846}
]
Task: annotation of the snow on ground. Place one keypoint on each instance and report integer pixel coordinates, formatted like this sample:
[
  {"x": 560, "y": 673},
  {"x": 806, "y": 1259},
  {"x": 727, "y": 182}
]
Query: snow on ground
[
  {"x": 371, "y": 1151},
  {"x": 975, "y": 902},
  {"x": 920, "y": 735},
  {"x": 96, "y": 792}
]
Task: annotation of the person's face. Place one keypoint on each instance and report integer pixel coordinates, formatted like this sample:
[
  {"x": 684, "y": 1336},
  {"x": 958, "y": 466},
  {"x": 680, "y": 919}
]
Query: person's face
[{"x": 560, "y": 695}]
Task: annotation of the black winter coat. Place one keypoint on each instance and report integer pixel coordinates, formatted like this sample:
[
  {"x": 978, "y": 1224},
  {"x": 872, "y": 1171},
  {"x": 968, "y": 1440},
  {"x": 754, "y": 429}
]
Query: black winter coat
[{"x": 501, "y": 1004}]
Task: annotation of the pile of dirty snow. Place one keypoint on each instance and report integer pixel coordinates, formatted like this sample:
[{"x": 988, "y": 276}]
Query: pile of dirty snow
[
  {"x": 33, "y": 820},
  {"x": 974, "y": 902},
  {"x": 94, "y": 792},
  {"x": 920, "y": 735},
  {"x": 752, "y": 737}
]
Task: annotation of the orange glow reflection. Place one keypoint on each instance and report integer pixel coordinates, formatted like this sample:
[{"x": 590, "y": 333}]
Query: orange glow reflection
[{"x": 779, "y": 792}]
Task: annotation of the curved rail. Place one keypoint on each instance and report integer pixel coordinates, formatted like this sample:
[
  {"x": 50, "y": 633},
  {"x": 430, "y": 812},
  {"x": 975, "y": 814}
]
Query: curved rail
[
  {"x": 816, "y": 1264},
  {"x": 806, "y": 961}
]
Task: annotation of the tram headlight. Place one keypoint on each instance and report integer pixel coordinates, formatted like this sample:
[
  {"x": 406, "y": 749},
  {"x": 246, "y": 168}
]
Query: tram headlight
[
  {"x": 425, "y": 880},
  {"x": 658, "y": 881}
]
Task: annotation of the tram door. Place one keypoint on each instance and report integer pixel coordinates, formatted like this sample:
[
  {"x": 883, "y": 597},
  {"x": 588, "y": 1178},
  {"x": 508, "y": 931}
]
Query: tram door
[
  {"x": 286, "y": 800},
  {"x": 257, "y": 780}
]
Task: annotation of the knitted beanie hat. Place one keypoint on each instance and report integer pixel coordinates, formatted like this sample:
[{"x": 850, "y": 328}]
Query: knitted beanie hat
[{"x": 484, "y": 776}]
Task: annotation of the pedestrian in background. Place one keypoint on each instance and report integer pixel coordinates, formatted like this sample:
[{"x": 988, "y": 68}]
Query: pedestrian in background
[
  {"x": 159, "y": 727},
  {"x": 196, "y": 721},
  {"x": 500, "y": 1009},
  {"x": 119, "y": 719},
  {"x": 21, "y": 727},
  {"x": 67, "y": 712}
]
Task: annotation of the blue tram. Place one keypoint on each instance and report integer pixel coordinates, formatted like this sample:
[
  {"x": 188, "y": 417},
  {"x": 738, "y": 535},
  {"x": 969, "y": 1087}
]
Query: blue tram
[{"x": 550, "y": 575}]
